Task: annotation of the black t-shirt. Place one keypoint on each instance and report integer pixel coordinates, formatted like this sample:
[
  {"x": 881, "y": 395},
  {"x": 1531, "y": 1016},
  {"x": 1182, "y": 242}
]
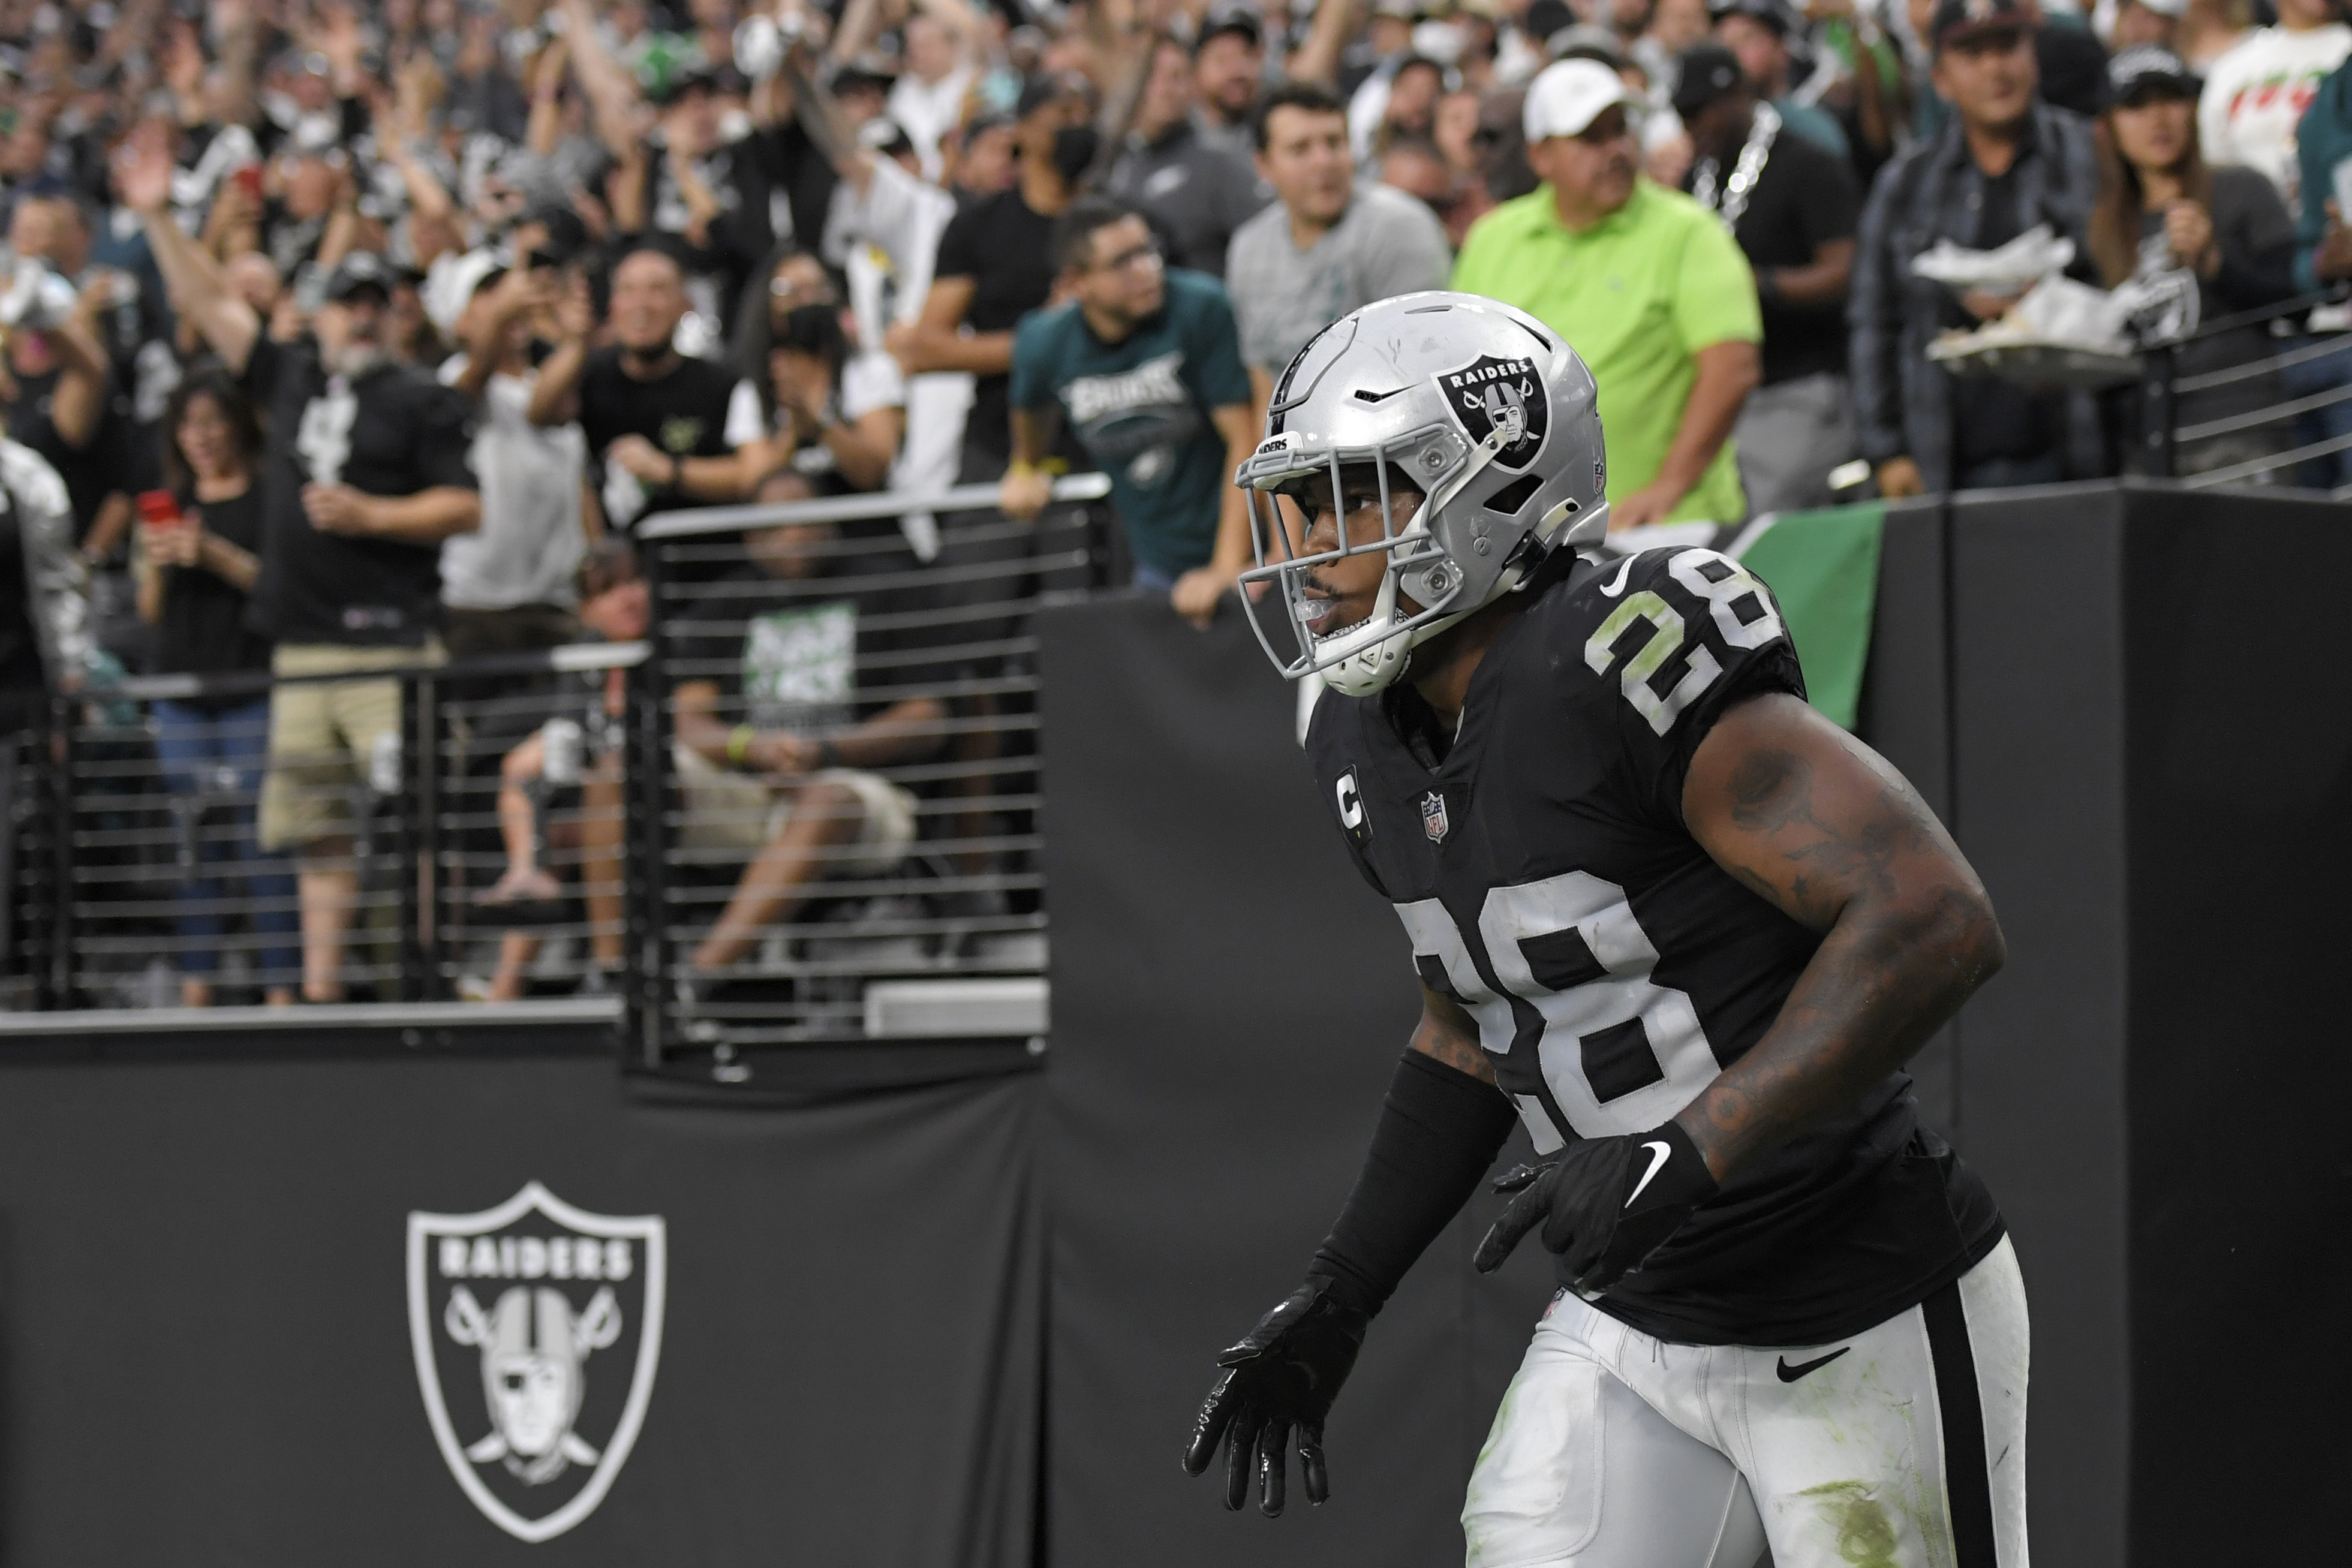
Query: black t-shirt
[
  {"x": 1549, "y": 884},
  {"x": 1993, "y": 418},
  {"x": 1804, "y": 199},
  {"x": 683, "y": 413},
  {"x": 21, "y": 669},
  {"x": 91, "y": 473},
  {"x": 393, "y": 432},
  {"x": 204, "y": 629},
  {"x": 816, "y": 657},
  {"x": 1007, "y": 251}
]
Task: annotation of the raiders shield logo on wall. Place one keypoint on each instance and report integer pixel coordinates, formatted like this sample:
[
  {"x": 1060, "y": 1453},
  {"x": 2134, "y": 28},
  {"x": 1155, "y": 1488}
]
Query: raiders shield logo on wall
[
  {"x": 1490, "y": 394},
  {"x": 537, "y": 1329}
]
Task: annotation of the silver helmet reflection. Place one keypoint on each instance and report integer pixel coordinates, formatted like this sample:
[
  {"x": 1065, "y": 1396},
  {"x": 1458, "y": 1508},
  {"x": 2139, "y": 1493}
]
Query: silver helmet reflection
[{"x": 1483, "y": 411}]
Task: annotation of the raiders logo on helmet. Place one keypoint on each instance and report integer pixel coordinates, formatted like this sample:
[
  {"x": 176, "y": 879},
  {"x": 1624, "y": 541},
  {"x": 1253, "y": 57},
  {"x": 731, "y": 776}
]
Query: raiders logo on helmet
[
  {"x": 537, "y": 1329},
  {"x": 1490, "y": 394}
]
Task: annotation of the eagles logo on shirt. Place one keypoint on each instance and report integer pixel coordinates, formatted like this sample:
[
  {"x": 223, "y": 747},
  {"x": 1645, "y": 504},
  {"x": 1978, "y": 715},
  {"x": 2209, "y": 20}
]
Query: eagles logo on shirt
[{"x": 1490, "y": 394}]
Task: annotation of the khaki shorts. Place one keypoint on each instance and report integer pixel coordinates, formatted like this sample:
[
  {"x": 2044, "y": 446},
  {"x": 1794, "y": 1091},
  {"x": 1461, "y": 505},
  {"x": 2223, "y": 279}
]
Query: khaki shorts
[
  {"x": 730, "y": 811},
  {"x": 323, "y": 734}
]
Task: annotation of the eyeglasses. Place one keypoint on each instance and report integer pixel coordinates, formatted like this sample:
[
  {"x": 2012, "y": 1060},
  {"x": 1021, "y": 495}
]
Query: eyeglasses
[{"x": 1146, "y": 255}]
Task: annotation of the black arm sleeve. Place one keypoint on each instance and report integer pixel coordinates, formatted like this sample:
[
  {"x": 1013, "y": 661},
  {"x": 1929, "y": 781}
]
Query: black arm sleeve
[{"x": 1439, "y": 1130}]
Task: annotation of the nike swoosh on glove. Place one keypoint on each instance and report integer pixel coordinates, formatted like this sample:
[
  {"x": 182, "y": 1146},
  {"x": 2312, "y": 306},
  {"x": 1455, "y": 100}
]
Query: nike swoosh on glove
[
  {"x": 1604, "y": 1203},
  {"x": 1278, "y": 1386}
]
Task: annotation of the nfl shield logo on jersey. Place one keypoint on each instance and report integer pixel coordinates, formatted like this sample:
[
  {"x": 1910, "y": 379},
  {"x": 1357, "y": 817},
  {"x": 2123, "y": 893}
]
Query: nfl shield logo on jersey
[
  {"x": 1490, "y": 394},
  {"x": 1432, "y": 817},
  {"x": 537, "y": 1329}
]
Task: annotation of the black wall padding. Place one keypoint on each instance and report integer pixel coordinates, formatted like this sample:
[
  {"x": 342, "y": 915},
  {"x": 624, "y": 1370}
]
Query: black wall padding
[
  {"x": 1229, "y": 1001},
  {"x": 2238, "y": 764},
  {"x": 1907, "y": 716},
  {"x": 2153, "y": 762},
  {"x": 208, "y": 1360},
  {"x": 2038, "y": 768}
]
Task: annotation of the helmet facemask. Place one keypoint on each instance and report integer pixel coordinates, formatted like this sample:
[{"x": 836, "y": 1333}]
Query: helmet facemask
[
  {"x": 1286, "y": 482},
  {"x": 1477, "y": 406}
]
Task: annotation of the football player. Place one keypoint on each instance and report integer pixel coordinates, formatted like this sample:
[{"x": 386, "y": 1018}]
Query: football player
[{"x": 1689, "y": 931}]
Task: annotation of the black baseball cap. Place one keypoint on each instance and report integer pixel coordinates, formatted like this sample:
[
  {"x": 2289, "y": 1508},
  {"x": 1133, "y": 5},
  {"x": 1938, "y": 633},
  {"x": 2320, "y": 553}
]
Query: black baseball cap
[
  {"x": 1772, "y": 14},
  {"x": 2143, "y": 65},
  {"x": 1960, "y": 19},
  {"x": 1704, "y": 73},
  {"x": 567, "y": 235},
  {"x": 361, "y": 269},
  {"x": 1546, "y": 17},
  {"x": 1242, "y": 20}
]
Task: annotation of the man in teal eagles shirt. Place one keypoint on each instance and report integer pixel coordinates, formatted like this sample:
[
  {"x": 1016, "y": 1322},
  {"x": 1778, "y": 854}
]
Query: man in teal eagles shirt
[{"x": 1144, "y": 364}]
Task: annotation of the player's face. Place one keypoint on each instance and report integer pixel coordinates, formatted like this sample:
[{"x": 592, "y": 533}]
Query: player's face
[{"x": 1341, "y": 593}]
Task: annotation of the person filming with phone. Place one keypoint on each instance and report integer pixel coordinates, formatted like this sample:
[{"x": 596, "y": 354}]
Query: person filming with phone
[{"x": 198, "y": 556}]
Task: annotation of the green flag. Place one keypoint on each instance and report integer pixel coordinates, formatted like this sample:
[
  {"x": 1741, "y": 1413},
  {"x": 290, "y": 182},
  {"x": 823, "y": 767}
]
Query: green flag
[{"x": 1823, "y": 569}]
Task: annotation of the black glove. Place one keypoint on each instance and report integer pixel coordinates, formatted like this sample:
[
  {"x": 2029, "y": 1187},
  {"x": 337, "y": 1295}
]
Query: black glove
[
  {"x": 1604, "y": 1203},
  {"x": 1277, "y": 1385}
]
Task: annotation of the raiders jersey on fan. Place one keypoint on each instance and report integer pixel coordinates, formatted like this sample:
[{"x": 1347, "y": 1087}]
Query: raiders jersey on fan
[{"x": 1539, "y": 862}]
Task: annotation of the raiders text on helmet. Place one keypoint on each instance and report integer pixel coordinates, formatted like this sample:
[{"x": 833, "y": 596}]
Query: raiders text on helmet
[{"x": 1491, "y": 418}]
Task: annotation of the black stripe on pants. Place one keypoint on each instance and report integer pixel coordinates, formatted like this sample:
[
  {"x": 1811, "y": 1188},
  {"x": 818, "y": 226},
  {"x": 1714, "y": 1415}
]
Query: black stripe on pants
[{"x": 1967, "y": 1472}]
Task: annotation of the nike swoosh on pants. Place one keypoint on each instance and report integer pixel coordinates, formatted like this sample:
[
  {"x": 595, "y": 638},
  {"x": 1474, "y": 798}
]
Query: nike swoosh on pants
[{"x": 1790, "y": 1373}]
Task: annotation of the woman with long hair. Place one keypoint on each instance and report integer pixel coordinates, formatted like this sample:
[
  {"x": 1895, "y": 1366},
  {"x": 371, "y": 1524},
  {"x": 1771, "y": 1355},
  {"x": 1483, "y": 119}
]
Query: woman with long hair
[
  {"x": 833, "y": 414},
  {"x": 2163, "y": 208},
  {"x": 195, "y": 573}
]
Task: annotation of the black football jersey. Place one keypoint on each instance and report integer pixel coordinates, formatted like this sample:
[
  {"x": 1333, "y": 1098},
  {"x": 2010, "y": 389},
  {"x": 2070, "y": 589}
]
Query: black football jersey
[{"x": 1539, "y": 862}]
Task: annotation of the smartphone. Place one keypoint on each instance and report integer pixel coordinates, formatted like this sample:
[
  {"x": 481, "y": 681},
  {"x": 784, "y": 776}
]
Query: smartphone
[{"x": 159, "y": 509}]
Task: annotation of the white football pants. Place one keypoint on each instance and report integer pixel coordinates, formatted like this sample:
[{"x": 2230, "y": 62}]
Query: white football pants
[{"x": 1903, "y": 1446}]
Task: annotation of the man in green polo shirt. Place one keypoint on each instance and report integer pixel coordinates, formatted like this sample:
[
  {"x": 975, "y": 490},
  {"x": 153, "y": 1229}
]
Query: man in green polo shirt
[{"x": 1643, "y": 282}]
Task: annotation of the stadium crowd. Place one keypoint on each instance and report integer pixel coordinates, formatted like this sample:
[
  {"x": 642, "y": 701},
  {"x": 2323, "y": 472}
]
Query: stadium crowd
[{"x": 339, "y": 337}]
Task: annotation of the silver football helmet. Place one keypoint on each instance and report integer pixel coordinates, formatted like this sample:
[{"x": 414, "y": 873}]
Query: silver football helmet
[{"x": 1483, "y": 410}]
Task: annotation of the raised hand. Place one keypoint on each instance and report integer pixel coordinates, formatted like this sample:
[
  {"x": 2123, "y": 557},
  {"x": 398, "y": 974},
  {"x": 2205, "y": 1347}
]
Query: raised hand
[{"x": 143, "y": 170}]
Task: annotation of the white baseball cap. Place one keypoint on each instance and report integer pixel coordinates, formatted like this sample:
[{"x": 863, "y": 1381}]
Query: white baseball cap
[
  {"x": 451, "y": 281},
  {"x": 1568, "y": 96}
]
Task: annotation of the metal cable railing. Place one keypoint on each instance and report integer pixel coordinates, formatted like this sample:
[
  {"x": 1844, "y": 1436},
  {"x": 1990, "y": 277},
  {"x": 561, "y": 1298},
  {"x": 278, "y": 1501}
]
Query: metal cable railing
[
  {"x": 806, "y": 908},
  {"x": 822, "y": 752},
  {"x": 2217, "y": 408}
]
